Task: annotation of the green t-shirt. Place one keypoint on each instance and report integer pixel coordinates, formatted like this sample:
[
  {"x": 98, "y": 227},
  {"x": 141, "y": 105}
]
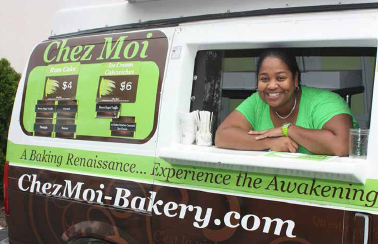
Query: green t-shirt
[{"x": 316, "y": 107}]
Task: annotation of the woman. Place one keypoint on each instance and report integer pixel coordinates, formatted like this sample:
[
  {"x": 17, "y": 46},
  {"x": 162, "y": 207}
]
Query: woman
[{"x": 284, "y": 116}]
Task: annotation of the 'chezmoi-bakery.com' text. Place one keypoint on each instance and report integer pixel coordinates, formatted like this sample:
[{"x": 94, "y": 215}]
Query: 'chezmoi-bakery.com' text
[{"x": 124, "y": 199}]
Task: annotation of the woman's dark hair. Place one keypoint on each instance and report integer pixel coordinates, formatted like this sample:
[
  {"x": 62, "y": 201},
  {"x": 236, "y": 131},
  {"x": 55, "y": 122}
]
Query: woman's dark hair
[{"x": 285, "y": 56}]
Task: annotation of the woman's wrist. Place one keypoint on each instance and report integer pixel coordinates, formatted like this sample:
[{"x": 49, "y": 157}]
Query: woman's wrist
[{"x": 290, "y": 130}]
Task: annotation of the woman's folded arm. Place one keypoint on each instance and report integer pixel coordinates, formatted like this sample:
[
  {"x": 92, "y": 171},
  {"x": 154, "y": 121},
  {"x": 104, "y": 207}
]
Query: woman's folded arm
[
  {"x": 332, "y": 139},
  {"x": 233, "y": 134}
]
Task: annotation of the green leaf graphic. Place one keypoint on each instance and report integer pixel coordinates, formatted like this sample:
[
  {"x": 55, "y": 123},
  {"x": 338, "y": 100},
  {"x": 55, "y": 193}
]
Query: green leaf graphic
[
  {"x": 51, "y": 86},
  {"x": 106, "y": 87}
]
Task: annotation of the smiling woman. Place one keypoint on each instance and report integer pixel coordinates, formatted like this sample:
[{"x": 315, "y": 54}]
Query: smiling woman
[{"x": 285, "y": 116}]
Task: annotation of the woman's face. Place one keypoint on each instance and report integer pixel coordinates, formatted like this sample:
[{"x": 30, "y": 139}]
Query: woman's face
[{"x": 276, "y": 84}]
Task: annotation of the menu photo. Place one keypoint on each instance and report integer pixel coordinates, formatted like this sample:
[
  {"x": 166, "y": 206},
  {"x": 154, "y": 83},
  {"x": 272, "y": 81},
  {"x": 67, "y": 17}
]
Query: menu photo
[
  {"x": 60, "y": 87},
  {"x": 120, "y": 89}
]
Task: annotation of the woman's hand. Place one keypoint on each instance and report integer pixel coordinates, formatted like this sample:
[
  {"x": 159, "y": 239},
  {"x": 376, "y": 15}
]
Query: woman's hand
[
  {"x": 275, "y": 132},
  {"x": 283, "y": 144},
  {"x": 277, "y": 141}
]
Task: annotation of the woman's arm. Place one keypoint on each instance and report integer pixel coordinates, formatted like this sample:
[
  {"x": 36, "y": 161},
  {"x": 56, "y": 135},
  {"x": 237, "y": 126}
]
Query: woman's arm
[
  {"x": 233, "y": 134},
  {"x": 332, "y": 139}
]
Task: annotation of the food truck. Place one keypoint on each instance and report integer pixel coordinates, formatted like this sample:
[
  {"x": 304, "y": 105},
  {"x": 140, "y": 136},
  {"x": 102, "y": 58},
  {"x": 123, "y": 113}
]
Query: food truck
[{"x": 95, "y": 151}]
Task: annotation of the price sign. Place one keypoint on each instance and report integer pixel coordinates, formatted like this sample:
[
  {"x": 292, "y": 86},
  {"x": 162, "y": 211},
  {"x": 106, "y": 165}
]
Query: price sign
[
  {"x": 126, "y": 86},
  {"x": 121, "y": 89},
  {"x": 67, "y": 85},
  {"x": 61, "y": 87}
]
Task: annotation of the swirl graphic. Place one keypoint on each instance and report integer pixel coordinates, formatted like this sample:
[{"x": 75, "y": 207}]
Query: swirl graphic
[{"x": 290, "y": 240}]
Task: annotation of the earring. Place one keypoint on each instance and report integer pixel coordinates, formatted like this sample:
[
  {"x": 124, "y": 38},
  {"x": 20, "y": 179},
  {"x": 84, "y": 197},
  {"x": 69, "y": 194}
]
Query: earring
[
  {"x": 257, "y": 89},
  {"x": 297, "y": 88}
]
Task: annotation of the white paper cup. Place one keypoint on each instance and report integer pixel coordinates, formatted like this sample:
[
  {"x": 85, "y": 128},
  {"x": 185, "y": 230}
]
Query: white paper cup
[{"x": 188, "y": 128}]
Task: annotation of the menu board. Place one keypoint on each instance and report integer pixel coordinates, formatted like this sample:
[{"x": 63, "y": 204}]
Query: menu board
[{"x": 98, "y": 87}]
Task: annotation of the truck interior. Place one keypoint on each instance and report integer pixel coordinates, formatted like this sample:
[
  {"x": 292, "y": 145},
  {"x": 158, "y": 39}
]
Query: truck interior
[{"x": 224, "y": 78}]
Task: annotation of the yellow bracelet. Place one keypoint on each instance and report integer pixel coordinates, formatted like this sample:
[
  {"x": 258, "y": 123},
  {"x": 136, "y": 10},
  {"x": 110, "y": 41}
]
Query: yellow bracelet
[{"x": 285, "y": 128}]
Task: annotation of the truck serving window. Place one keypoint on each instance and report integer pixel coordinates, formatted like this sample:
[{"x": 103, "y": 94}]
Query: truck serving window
[
  {"x": 103, "y": 88},
  {"x": 223, "y": 79}
]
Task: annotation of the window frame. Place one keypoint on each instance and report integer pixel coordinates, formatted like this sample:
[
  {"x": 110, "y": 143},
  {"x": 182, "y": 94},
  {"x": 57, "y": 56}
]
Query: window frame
[{"x": 335, "y": 168}]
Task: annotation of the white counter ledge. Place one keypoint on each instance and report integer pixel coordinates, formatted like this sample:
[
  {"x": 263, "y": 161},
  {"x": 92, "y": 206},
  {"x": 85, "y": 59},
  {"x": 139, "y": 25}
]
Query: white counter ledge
[{"x": 293, "y": 164}]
